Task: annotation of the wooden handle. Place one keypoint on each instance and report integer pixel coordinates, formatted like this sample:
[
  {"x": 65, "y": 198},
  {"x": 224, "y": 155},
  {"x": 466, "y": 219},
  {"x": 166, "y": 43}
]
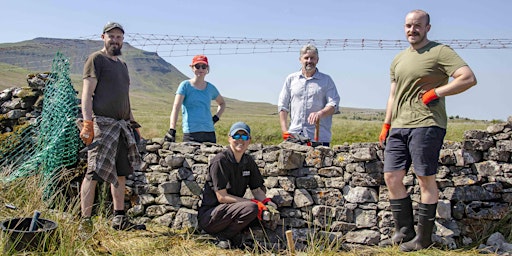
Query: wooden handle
[
  {"x": 289, "y": 239},
  {"x": 317, "y": 130}
]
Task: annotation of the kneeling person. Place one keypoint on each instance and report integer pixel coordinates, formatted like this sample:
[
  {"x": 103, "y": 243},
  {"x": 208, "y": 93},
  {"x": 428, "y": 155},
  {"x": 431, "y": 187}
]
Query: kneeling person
[{"x": 224, "y": 213}]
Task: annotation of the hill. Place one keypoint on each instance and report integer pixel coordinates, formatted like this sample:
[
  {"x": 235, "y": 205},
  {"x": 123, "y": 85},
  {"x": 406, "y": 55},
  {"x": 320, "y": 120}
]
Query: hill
[
  {"x": 150, "y": 75},
  {"x": 147, "y": 70},
  {"x": 154, "y": 82}
]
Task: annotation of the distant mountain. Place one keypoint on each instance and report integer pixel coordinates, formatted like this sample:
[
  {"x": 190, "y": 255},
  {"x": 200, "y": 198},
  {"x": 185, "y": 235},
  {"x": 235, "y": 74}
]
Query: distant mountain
[
  {"x": 149, "y": 74},
  {"x": 147, "y": 70}
]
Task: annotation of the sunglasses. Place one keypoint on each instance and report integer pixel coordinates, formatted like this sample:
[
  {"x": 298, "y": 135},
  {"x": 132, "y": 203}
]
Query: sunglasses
[
  {"x": 244, "y": 137},
  {"x": 203, "y": 66}
]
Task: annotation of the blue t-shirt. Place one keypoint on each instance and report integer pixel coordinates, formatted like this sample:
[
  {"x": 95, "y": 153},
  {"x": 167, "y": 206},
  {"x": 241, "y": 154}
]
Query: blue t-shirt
[{"x": 195, "y": 110}]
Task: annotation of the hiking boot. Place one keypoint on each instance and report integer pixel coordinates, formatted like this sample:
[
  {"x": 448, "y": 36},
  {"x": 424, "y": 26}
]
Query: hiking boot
[
  {"x": 85, "y": 228},
  {"x": 120, "y": 222}
]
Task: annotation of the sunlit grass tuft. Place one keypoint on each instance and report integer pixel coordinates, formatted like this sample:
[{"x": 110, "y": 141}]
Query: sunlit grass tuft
[{"x": 26, "y": 194}]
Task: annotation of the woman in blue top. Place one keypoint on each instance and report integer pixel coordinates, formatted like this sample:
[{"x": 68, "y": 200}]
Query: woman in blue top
[{"x": 194, "y": 97}]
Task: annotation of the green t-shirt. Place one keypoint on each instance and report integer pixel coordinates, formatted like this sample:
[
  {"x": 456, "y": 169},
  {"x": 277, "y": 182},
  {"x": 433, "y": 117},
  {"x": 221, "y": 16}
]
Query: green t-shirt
[{"x": 424, "y": 69}]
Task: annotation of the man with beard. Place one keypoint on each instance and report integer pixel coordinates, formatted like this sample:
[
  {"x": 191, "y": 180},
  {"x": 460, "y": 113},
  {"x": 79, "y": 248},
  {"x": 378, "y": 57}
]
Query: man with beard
[
  {"x": 310, "y": 98},
  {"x": 108, "y": 127},
  {"x": 416, "y": 112},
  {"x": 224, "y": 212}
]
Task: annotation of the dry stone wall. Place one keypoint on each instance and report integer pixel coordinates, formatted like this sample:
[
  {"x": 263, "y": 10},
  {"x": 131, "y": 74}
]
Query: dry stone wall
[{"x": 338, "y": 191}]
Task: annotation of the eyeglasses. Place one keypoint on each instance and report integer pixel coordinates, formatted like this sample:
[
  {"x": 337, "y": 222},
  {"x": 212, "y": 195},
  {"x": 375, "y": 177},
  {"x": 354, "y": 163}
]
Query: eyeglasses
[
  {"x": 244, "y": 137},
  {"x": 203, "y": 66}
]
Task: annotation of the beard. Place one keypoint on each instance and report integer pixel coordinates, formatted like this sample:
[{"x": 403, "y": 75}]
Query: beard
[
  {"x": 309, "y": 67},
  {"x": 114, "y": 49}
]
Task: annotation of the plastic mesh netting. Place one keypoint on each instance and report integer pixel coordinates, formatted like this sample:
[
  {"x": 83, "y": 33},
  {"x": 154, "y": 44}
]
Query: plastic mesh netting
[{"x": 51, "y": 141}]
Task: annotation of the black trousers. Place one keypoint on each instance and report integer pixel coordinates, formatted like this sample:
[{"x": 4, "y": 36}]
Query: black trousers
[{"x": 227, "y": 220}]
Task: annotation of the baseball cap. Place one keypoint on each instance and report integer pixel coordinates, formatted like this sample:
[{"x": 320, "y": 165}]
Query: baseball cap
[
  {"x": 199, "y": 59},
  {"x": 111, "y": 25},
  {"x": 239, "y": 126}
]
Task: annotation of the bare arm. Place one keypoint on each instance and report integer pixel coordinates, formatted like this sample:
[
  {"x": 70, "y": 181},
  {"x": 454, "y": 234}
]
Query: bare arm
[
  {"x": 283, "y": 120},
  {"x": 316, "y": 116},
  {"x": 389, "y": 104},
  {"x": 463, "y": 79},
  {"x": 178, "y": 100},
  {"x": 260, "y": 195},
  {"x": 221, "y": 105},
  {"x": 89, "y": 85},
  {"x": 225, "y": 198}
]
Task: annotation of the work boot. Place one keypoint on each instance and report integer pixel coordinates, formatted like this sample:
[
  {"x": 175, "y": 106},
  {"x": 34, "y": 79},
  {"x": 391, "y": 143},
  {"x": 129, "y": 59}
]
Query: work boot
[
  {"x": 120, "y": 222},
  {"x": 85, "y": 228},
  {"x": 423, "y": 238},
  {"x": 404, "y": 220}
]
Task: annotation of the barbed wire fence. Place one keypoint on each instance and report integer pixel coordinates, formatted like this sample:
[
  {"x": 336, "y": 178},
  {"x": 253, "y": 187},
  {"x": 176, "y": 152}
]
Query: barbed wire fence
[
  {"x": 167, "y": 46},
  {"x": 52, "y": 141},
  {"x": 175, "y": 46}
]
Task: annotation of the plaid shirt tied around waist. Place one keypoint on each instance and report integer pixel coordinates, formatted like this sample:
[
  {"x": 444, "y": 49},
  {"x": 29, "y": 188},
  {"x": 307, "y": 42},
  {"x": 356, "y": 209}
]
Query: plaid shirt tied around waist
[{"x": 102, "y": 157}]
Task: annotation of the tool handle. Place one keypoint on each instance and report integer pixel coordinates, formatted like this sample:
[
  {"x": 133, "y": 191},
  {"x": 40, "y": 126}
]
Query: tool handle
[
  {"x": 317, "y": 130},
  {"x": 289, "y": 239},
  {"x": 33, "y": 224}
]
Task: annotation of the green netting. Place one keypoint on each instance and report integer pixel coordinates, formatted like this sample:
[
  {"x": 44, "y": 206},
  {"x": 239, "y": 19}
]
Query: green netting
[{"x": 51, "y": 142}]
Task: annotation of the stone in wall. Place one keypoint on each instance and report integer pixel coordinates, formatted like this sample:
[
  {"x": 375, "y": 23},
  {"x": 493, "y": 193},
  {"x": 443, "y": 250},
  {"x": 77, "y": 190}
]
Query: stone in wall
[{"x": 339, "y": 192}]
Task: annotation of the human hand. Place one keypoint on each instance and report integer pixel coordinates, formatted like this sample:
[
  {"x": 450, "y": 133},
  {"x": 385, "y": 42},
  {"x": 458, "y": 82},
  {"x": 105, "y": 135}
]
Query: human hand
[
  {"x": 136, "y": 130},
  {"x": 215, "y": 119},
  {"x": 87, "y": 132},
  {"x": 384, "y": 134},
  {"x": 170, "y": 136},
  {"x": 314, "y": 117},
  {"x": 428, "y": 96},
  {"x": 286, "y": 135},
  {"x": 136, "y": 134},
  {"x": 261, "y": 208},
  {"x": 268, "y": 201}
]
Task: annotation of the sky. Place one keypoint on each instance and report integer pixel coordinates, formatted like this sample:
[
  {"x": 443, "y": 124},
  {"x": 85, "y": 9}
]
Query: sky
[{"x": 361, "y": 76}]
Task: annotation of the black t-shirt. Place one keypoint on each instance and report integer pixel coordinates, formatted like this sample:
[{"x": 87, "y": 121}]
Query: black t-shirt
[
  {"x": 225, "y": 173},
  {"x": 111, "y": 97}
]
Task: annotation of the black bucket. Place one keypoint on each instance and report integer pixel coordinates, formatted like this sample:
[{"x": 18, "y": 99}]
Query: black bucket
[{"x": 18, "y": 237}]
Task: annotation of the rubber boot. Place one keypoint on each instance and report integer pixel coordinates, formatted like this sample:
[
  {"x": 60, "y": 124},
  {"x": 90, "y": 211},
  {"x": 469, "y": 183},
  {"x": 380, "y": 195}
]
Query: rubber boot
[
  {"x": 423, "y": 238},
  {"x": 404, "y": 220}
]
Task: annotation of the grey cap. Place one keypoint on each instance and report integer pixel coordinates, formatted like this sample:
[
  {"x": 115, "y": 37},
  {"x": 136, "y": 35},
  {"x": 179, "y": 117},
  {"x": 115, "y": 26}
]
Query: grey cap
[
  {"x": 239, "y": 126},
  {"x": 112, "y": 25}
]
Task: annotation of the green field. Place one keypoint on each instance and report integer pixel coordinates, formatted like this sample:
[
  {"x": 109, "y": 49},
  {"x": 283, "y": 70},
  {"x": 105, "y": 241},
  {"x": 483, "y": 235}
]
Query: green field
[
  {"x": 352, "y": 125},
  {"x": 153, "y": 108}
]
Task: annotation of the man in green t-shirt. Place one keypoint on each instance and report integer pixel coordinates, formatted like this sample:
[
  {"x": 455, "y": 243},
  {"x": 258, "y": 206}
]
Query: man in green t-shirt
[{"x": 416, "y": 112}]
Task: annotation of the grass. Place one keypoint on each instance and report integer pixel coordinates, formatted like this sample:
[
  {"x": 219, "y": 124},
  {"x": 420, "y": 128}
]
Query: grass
[
  {"x": 152, "y": 110},
  {"x": 26, "y": 194}
]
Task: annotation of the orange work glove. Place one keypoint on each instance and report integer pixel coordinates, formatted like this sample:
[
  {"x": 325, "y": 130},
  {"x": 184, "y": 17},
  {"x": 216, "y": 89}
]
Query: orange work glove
[
  {"x": 266, "y": 200},
  {"x": 87, "y": 133},
  {"x": 384, "y": 133},
  {"x": 286, "y": 135},
  {"x": 261, "y": 208},
  {"x": 429, "y": 96}
]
